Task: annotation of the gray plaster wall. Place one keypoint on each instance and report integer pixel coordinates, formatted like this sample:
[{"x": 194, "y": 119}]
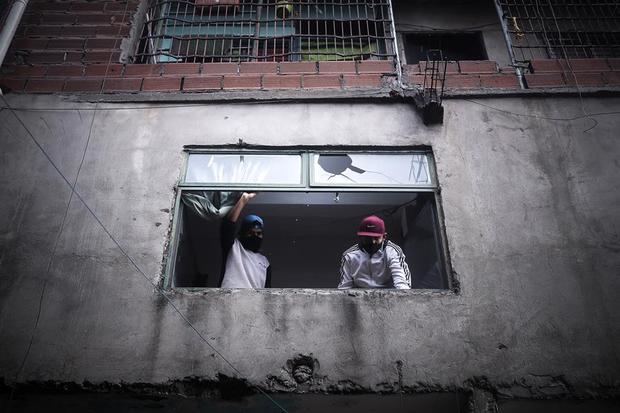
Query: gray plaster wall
[{"x": 529, "y": 190}]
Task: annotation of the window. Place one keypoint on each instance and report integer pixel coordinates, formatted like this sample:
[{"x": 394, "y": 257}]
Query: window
[
  {"x": 203, "y": 31},
  {"x": 453, "y": 46},
  {"x": 312, "y": 203},
  {"x": 561, "y": 29}
]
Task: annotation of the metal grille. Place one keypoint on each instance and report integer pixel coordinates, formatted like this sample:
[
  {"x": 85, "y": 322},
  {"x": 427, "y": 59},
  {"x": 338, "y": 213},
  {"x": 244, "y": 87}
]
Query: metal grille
[
  {"x": 203, "y": 31},
  {"x": 562, "y": 28}
]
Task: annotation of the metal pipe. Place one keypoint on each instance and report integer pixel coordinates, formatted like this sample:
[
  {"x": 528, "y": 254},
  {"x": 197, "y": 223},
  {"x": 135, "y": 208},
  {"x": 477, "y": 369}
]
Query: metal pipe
[
  {"x": 10, "y": 26},
  {"x": 518, "y": 69},
  {"x": 399, "y": 70}
]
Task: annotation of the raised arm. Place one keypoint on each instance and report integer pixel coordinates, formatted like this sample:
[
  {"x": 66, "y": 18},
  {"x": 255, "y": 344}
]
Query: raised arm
[
  {"x": 233, "y": 215},
  {"x": 228, "y": 228}
]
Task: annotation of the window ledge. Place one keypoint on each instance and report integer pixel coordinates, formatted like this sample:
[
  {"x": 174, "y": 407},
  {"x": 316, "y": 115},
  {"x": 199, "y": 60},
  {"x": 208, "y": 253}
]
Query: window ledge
[
  {"x": 309, "y": 292},
  {"x": 334, "y": 96},
  {"x": 240, "y": 96}
]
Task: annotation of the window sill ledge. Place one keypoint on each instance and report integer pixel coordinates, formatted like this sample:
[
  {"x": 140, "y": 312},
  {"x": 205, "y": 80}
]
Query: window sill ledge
[{"x": 357, "y": 292}]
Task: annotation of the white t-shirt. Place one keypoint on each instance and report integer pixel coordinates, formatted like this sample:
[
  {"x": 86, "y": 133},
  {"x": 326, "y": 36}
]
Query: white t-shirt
[{"x": 244, "y": 268}]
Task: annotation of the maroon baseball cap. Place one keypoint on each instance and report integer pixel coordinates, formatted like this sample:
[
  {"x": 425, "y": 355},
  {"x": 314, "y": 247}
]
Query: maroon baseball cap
[{"x": 371, "y": 226}]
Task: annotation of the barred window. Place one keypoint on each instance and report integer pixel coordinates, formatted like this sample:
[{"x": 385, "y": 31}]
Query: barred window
[
  {"x": 561, "y": 28},
  {"x": 206, "y": 31}
]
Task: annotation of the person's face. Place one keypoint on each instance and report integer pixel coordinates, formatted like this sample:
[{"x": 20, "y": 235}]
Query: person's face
[
  {"x": 252, "y": 239},
  {"x": 371, "y": 244},
  {"x": 372, "y": 240},
  {"x": 254, "y": 232}
]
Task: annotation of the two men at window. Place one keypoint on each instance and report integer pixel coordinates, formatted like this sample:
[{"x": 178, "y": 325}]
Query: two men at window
[{"x": 374, "y": 262}]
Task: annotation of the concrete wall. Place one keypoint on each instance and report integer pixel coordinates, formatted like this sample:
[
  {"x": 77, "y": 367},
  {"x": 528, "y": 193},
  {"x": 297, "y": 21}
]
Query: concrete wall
[{"x": 531, "y": 217}]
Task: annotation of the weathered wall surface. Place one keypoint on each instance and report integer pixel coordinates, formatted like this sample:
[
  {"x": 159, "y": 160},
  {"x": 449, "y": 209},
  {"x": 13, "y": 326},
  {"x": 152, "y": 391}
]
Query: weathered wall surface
[{"x": 531, "y": 217}]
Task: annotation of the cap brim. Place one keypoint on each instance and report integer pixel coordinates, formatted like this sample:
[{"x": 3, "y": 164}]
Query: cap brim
[{"x": 370, "y": 234}]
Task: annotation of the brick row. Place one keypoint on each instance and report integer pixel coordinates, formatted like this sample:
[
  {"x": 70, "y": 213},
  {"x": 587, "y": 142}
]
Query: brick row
[
  {"x": 357, "y": 67},
  {"x": 533, "y": 80},
  {"x": 452, "y": 67},
  {"x": 581, "y": 79},
  {"x": 472, "y": 81},
  {"x": 38, "y": 44},
  {"x": 53, "y": 19},
  {"x": 574, "y": 65},
  {"x": 156, "y": 74},
  {"x": 175, "y": 69},
  {"x": 65, "y": 56},
  {"x": 97, "y": 84},
  {"x": 80, "y": 6},
  {"x": 544, "y": 73},
  {"x": 117, "y": 31}
]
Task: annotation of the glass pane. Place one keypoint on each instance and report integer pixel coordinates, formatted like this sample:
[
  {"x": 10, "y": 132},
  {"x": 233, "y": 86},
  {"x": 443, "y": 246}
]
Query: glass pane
[
  {"x": 250, "y": 169},
  {"x": 352, "y": 169}
]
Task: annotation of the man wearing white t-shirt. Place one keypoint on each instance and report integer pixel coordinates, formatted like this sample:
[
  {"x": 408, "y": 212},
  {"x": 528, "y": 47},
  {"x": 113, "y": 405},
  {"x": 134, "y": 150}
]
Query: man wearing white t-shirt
[
  {"x": 374, "y": 262},
  {"x": 244, "y": 265}
]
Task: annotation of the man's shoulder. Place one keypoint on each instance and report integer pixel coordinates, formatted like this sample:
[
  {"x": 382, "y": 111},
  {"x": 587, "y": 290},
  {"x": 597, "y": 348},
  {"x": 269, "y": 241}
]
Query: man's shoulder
[
  {"x": 391, "y": 247},
  {"x": 352, "y": 250}
]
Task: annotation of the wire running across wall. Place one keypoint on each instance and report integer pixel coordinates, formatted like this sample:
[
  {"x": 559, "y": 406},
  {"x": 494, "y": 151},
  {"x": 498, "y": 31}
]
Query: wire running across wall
[
  {"x": 560, "y": 29},
  {"x": 214, "y": 31}
]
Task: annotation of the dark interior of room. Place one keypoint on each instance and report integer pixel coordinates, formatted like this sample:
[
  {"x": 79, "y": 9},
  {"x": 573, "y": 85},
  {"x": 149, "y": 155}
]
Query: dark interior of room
[
  {"x": 453, "y": 46},
  {"x": 305, "y": 234}
]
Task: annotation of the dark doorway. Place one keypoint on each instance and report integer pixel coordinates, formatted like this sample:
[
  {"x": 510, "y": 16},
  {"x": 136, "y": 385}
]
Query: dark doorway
[{"x": 453, "y": 46}]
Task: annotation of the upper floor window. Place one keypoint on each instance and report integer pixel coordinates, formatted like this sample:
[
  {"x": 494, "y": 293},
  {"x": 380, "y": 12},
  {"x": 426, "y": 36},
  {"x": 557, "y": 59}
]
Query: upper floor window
[
  {"x": 561, "y": 29},
  {"x": 206, "y": 31}
]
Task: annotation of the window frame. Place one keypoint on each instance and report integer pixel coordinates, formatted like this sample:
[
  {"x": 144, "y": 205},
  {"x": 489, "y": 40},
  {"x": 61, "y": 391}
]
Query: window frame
[
  {"x": 373, "y": 187},
  {"x": 173, "y": 241},
  {"x": 307, "y": 184},
  {"x": 258, "y": 187}
]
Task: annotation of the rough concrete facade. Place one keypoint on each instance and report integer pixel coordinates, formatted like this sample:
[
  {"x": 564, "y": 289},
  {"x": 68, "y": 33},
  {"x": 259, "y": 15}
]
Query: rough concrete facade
[
  {"x": 529, "y": 191},
  {"x": 528, "y": 171}
]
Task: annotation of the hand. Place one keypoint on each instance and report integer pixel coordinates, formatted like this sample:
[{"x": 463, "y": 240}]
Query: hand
[{"x": 234, "y": 213}]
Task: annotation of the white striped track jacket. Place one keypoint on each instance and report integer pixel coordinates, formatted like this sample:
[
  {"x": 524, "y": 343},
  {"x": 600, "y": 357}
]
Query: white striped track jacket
[{"x": 386, "y": 268}]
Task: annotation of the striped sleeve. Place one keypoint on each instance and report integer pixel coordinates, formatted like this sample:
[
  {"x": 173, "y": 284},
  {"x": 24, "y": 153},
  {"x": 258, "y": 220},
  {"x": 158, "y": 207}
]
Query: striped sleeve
[
  {"x": 346, "y": 279},
  {"x": 398, "y": 267}
]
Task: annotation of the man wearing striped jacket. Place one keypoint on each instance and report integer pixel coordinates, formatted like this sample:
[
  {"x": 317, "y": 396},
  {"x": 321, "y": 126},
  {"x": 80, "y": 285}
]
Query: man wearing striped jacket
[{"x": 374, "y": 262}]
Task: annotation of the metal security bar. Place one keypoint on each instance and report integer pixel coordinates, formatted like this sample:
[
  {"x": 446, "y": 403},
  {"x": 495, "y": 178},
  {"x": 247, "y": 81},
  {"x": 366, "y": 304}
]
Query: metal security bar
[
  {"x": 205, "y": 31},
  {"x": 561, "y": 28}
]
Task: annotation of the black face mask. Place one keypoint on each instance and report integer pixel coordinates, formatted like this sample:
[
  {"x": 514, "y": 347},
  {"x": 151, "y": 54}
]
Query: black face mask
[
  {"x": 251, "y": 242},
  {"x": 369, "y": 246}
]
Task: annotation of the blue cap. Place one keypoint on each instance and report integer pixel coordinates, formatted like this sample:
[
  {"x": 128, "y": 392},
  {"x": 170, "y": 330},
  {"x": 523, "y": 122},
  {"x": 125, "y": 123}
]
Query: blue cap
[{"x": 251, "y": 221}]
